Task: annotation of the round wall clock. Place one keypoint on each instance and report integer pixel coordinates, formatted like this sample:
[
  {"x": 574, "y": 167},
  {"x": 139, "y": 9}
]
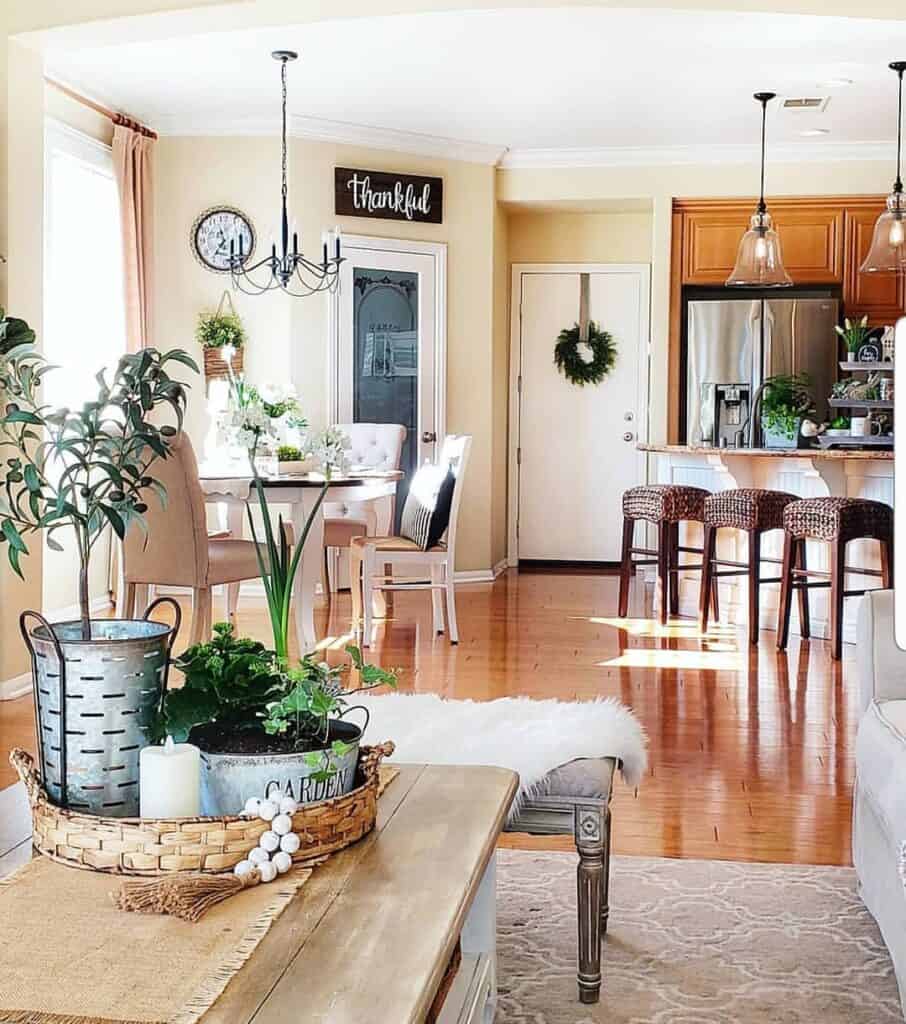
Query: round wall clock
[{"x": 211, "y": 235}]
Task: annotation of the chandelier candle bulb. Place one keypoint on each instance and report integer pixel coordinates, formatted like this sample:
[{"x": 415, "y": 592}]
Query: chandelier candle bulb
[{"x": 169, "y": 781}]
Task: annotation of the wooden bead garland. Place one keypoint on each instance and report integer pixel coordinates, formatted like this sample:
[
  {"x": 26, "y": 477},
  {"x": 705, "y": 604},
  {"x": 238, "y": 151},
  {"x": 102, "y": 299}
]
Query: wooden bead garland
[{"x": 273, "y": 854}]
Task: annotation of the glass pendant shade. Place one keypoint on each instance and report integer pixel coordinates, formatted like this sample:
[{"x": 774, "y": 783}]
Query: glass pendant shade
[
  {"x": 758, "y": 261},
  {"x": 887, "y": 254}
]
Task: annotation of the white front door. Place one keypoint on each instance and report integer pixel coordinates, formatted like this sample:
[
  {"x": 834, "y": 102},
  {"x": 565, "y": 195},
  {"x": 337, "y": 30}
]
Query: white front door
[
  {"x": 576, "y": 446},
  {"x": 389, "y": 353}
]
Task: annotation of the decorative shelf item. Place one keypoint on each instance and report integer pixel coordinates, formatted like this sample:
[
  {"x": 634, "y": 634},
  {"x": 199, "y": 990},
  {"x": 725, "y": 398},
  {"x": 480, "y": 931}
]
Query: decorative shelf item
[
  {"x": 883, "y": 441},
  {"x": 879, "y": 367}
]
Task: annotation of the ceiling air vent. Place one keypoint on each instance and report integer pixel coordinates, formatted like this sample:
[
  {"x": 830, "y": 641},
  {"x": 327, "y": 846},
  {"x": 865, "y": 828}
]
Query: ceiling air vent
[{"x": 814, "y": 104}]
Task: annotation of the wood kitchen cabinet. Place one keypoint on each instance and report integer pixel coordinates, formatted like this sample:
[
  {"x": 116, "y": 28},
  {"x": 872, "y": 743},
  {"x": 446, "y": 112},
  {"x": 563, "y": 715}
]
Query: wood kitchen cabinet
[
  {"x": 811, "y": 239},
  {"x": 881, "y": 296}
]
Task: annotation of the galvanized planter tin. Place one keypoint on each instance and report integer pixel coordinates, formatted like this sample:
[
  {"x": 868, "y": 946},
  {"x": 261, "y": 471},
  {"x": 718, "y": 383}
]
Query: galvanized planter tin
[
  {"x": 228, "y": 780},
  {"x": 95, "y": 702}
]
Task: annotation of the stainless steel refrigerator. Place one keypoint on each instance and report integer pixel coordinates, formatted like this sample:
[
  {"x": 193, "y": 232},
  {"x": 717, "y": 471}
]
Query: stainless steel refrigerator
[{"x": 744, "y": 340}]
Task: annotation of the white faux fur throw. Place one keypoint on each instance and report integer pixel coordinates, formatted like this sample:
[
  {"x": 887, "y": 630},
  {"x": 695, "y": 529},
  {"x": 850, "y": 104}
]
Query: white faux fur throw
[{"x": 532, "y": 737}]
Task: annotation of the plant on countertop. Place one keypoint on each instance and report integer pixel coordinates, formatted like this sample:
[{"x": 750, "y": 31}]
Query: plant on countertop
[
  {"x": 853, "y": 334},
  {"x": 239, "y": 696},
  {"x": 786, "y": 399},
  {"x": 571, "y": 364},
  {"x": 289, "y": 453},
  {"x": 82, "y": 468}
]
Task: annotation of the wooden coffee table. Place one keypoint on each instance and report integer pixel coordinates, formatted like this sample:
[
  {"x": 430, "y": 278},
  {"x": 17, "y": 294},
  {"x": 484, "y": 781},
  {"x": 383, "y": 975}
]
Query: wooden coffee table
[{"x": 373, "y": 931}]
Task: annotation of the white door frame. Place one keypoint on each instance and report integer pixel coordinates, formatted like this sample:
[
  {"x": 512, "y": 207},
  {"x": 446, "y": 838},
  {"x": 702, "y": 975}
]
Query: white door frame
[
  {"x": 438, "y": 252},
  {"x": 643, "y": 270}
]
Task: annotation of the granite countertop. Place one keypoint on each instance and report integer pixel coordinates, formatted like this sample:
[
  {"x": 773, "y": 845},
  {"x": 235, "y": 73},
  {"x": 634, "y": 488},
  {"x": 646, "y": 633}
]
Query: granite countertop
[{"x": 875, "y": 454}]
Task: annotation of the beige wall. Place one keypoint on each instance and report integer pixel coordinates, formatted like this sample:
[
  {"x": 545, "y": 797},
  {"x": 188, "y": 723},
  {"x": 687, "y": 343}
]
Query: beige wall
[
  {"x": 550, "y": 237},
  {"x": 289, "y": 337},
  {"x": 658, "y": 185}
]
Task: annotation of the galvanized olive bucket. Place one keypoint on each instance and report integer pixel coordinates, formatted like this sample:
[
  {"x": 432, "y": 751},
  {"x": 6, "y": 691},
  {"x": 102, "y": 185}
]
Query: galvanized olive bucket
[
  {"x": 228, "y": 780},
  {"x": 95, "y": 703}
]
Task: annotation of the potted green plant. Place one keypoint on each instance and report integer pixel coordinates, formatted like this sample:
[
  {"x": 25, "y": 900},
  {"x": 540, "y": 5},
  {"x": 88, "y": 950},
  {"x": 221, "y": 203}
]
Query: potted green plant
[
  {"x": 222, "y": 337},
  {"x": 83, "y": 470},
  {"x": 291, "y": 460},
  {"x": 785, "y": 402},
  {"x": 853, "y": 335},
  {"x": 266, "y": 727}
]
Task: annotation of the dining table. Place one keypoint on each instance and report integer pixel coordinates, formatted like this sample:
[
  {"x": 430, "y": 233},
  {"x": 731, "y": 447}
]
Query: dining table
[{"x": 367, "y": 494}]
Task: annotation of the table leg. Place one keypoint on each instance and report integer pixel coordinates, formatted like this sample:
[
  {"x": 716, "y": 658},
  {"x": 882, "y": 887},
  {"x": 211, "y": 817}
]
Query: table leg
[{"x": 309, "y": 574}]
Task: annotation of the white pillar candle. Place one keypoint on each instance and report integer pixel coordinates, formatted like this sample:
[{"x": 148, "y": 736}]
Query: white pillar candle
[{"x": 169, "y": 779}]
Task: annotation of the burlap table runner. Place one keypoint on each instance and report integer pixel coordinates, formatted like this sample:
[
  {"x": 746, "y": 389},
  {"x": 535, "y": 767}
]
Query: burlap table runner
[{"x": 68, "y": 956}]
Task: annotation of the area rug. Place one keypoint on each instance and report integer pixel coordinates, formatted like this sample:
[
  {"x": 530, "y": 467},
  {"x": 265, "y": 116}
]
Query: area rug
[{"x": 693, "y": 942}]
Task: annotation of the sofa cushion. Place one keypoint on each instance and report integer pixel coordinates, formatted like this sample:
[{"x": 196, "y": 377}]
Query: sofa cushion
[{"x": 881, "y": 764}]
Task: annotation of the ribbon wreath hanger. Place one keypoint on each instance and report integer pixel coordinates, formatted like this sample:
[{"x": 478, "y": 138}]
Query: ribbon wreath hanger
[{"x": 570, "y": 361}]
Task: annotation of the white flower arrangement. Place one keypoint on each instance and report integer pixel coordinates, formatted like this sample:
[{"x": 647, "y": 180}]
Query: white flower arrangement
[{"x": 330, "y": 447}]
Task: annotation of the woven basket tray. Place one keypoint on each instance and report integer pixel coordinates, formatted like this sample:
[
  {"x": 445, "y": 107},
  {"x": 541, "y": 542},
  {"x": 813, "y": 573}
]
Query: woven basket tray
[{"x": 146, "y": 846}]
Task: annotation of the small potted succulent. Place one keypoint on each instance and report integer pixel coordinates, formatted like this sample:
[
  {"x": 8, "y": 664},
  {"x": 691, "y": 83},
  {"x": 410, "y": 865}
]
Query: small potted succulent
[
  {"x": 291, "y": 461},
  {"x": 264, "y": 725},
  {"x": 854, "y": 335},
  {"x": 222, "y": 337},
  {"x": 785, "y": 402},
  {"x": 82, "y": 471}
]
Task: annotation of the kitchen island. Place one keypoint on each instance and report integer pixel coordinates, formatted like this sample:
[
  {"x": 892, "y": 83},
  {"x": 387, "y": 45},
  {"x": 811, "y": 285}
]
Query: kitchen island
[{"x": 806, "y": 472}]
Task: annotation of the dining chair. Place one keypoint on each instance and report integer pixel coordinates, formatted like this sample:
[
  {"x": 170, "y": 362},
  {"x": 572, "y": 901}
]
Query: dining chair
[
  {"x": 375, "y": 446},
  {"x": 178, "y": 552},
  {"x": 415, "y": 546}
]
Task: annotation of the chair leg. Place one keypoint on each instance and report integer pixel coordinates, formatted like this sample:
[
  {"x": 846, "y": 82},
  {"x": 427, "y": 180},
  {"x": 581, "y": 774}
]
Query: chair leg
[
  {"x": 625, "y": 566},
  {"x": 838, "y": 585},
  {"x": 437, "y": 600},
  {"x": 786, "y": 591},
  {"x": 754, "y": 585},
  {"x": 451, "y": 604},
  {"x": 709, "y": 544},
  {"x": 232, "y": 600},
  {"x": 355, "y": 586},
  {"x": 805, "y": 618},
  {"x": 663, "y": 569},
  {"x": 388, "y": 595},
  {"x": 367, "y": 595},
  {"x": 605, "y": 882},
  {"x": 326, "y": 588},
  {"x": 673, "y": 575},
  {"x": 589, "y": 830},
  {"x": 887, "y": 563},
  {"x": 201, "y": 615},
  {"x": 129, "y": 601}
]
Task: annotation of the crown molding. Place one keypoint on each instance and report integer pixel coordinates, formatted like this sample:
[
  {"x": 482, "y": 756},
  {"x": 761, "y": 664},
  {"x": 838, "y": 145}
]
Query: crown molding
[
  {"x": 646, "y": 156},
  {"x": 341, "y": 133}
]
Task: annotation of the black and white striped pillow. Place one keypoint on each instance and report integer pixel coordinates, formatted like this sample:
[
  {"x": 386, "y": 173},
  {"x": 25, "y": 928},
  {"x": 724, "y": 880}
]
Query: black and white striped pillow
[{"x": 427, "y": 509}]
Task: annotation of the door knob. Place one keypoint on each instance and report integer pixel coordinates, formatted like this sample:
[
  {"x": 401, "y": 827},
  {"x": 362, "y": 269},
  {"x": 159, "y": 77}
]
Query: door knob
[
  {"x": 429, "y": 437},
  {"x": 628, "y": 436},
  {"x": 628, "y": 416}
]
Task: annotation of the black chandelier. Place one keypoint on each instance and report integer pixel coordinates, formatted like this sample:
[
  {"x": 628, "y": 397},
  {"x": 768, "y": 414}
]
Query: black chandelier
[{"x": 290, "y": 270}]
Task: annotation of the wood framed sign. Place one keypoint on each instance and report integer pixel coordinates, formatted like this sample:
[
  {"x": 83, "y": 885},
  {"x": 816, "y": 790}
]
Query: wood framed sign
[{"x": 383, "y": 195}]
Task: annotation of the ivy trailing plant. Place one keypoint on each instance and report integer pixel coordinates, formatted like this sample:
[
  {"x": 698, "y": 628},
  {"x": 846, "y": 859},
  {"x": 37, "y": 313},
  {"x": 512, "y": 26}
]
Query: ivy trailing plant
[
  {"x": 571, "y": 364},
  {"x": 785, "y": 400},
  {"x": 239, "y": 686},
  {"x": 83, "y": 468}
]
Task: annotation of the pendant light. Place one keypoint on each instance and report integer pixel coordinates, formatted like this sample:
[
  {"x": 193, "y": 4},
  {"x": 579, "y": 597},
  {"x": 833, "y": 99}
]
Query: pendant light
[
  {"x": 887, "y": 254},
  {"x": 758, "y": 262},
  {"x": 287, "y": 269}
]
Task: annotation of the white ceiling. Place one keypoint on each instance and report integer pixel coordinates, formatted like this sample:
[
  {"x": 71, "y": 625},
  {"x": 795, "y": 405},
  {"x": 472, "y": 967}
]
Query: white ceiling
[{"x": 564, "y": 79}]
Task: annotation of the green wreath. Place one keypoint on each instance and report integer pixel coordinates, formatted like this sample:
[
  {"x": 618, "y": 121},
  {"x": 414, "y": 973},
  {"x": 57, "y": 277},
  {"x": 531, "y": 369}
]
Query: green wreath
[{"x": 573, "y": 366}]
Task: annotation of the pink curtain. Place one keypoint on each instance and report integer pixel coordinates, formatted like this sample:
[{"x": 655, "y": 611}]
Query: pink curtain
[{"x": 133, "y": 150}]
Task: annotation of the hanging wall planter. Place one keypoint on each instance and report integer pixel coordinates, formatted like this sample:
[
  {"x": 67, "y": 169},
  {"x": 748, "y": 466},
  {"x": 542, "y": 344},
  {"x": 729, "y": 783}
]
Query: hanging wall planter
[{"x": 222, "y": 337}]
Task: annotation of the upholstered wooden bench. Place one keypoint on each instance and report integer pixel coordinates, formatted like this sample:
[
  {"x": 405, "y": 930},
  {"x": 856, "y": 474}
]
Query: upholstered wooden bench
[{"x": 574, "y": 799}]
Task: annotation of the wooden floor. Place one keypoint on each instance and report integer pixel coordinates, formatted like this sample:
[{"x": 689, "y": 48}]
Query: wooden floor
[{"x": 751, "y": 752}]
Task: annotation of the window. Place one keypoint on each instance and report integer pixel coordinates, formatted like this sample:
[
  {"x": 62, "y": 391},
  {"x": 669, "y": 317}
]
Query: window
[{"x": 84, "y": 317}]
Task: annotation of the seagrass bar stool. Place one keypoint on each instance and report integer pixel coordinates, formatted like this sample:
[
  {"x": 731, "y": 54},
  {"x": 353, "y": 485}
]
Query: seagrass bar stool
[
  {"x": 665, "y": 505},
  {"x": 755, "y": 511},
  {"x": 836, "y": 521}
]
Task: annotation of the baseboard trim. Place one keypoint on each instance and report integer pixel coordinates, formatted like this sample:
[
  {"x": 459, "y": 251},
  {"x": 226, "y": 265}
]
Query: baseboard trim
[{"x": 18, "y": 686}]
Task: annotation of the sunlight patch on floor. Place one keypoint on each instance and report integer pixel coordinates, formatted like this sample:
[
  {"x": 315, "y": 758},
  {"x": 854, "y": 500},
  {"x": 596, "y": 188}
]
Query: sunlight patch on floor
[
  {"x": 709, "y": 661},
  {"x": 335, "y": 643},
  {"x": 687, "y": 630}
]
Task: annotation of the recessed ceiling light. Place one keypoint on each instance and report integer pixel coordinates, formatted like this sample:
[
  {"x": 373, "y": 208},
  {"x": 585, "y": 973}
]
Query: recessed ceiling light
[
  {"x": 815, "y": 131},
  {"x": 835, "y": 83}
]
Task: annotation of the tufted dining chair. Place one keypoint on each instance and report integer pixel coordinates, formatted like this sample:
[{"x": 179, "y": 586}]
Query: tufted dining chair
[
  {"x": 374, "y": 446},
  {"x": 178, "y": 551}
]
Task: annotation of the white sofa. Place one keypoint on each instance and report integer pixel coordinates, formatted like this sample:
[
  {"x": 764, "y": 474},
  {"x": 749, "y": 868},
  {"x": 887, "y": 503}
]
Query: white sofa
[{"x": 879, "y": 802}]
